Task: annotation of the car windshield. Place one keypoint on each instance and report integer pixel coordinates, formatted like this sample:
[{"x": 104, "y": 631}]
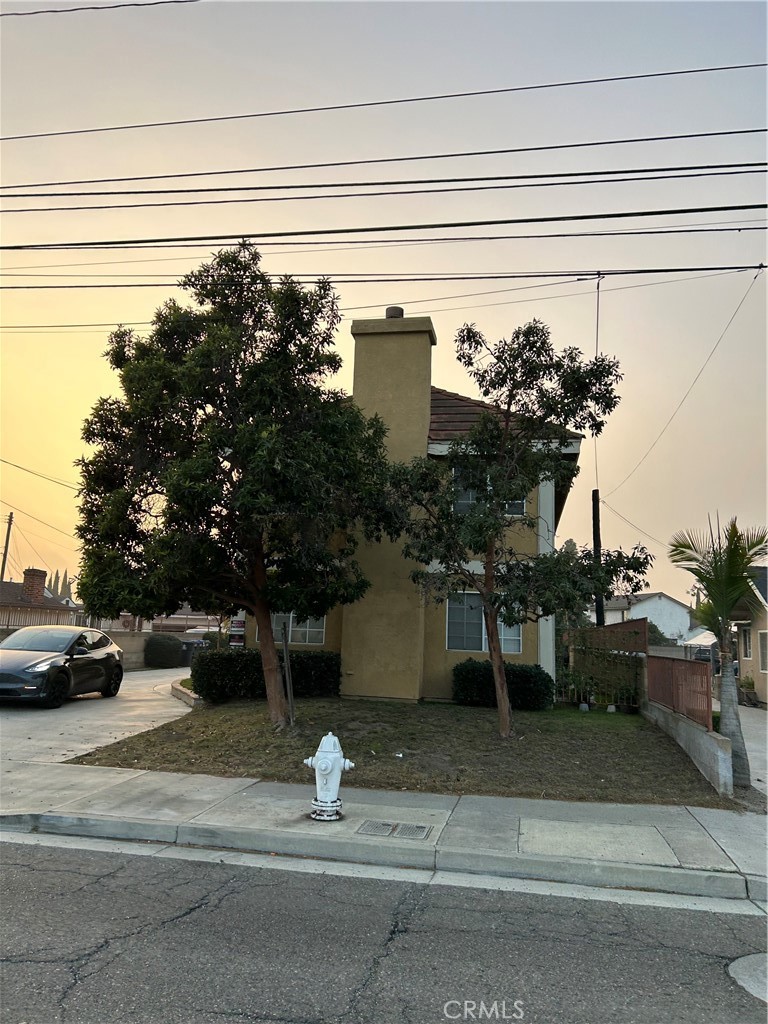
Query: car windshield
[{"x": 38, "y": 640}]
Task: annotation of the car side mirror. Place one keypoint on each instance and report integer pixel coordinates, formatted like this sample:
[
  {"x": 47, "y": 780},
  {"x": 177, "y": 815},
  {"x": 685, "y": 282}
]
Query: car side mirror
[{"x": 79, "y": 651}]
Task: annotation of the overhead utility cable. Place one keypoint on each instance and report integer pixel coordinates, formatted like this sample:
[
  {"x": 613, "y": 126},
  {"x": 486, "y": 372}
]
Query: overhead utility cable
[
  {"x": 384, "y": 103},
  {"x": 370, "y": 195},
  {"x": 42, "y": 521},
  {"x": 692, "y": 384},
  {"x": 42, "y": 476},
  {"x": 633, "y": 525},
  {"x": 101, "y": 7},
  {"x": 621, "y": 215},
  {"x": 389, "y": 159},
  {"x": 417, "y": 279},
  {"x": 283, "y": 186}
]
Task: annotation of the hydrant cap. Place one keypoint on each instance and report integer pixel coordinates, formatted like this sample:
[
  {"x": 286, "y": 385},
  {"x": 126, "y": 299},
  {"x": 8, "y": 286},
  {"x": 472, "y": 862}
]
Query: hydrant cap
[{"x": 329, "y": 743}]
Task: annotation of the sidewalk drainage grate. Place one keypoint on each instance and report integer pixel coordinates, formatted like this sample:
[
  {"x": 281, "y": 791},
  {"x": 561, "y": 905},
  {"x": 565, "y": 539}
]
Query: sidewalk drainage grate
[{"x": 397, "y": 830}]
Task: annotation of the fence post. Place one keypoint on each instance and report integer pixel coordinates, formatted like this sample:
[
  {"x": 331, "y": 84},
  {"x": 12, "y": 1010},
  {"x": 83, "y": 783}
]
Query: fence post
[{"x": 643, "y": 688}]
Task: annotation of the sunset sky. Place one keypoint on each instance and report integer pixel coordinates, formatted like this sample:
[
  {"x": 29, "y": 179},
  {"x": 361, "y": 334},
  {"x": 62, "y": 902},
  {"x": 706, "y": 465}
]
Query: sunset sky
[{"x": 93, "y": 69}]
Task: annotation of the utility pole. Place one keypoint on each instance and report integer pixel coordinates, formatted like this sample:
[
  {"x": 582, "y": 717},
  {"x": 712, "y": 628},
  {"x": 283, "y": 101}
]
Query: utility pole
[
  {"x": 597, "y": 549},
  {"x": 5, "y": 549}
]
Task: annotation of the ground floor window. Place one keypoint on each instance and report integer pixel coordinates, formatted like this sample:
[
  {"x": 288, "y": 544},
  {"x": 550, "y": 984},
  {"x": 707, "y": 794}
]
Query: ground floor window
[
  {"x": 762, "y": 640},
  {"x": 311, "y": 631},
  {"x": 746, "y": 644},
  {"x": 465, "y": 627}
]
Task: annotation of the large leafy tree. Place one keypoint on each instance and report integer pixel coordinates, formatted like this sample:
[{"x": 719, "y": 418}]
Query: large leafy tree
[
  {"x": 461, "y": 530},
  {"x": 722, "y": 560},
  {"x": 228, "y": 474}
]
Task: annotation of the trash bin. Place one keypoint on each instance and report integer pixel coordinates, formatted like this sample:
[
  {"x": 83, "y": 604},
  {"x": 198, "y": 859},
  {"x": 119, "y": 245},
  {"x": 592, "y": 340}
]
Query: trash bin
[{"x": 187, "y": 651}]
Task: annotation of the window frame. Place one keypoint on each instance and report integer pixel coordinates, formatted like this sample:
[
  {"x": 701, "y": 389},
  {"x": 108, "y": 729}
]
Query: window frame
[
  {"x": 746, "y": 643},
  {"x": 470, "y": 490},
  {"x": 483, "y": 649},
  {"x": 762, "y": 649},
  {"x": 292, "y": 625}
]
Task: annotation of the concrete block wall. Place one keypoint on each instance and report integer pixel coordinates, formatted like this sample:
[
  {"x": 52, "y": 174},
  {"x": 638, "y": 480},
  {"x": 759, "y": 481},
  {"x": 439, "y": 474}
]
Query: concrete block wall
[{"x": 709, "y": 751}]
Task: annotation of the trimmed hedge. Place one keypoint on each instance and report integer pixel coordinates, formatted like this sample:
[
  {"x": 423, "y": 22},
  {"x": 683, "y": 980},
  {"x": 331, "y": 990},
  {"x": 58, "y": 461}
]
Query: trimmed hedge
[
  {"x": 530, "y": 687},
  {"x": 236, "y": 673},
  {"x": 162, "y": 651}
]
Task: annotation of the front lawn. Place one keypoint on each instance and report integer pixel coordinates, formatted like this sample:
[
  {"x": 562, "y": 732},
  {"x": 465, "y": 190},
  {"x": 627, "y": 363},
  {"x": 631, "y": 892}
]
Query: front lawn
[{"x": 562, "y": 754}]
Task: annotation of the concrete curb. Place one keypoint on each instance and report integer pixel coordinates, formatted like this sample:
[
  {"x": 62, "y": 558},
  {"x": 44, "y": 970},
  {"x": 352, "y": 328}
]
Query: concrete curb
[
  {"x": 405, "y": 854},
  {"x": 185, "y": 696}
]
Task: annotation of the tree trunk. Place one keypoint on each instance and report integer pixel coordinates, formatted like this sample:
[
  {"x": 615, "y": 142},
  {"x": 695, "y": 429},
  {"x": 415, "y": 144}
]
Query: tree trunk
[
  {"x": 273, "y": 677},
  {"x": 730, "y": 723},
  {"x": 499, "y": 677}
]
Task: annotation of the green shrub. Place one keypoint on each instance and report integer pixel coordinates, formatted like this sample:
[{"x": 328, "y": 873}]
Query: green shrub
[
  {"x": 530, "y": 687},
  {"x": 219, "y": 675},
  {"x": 162, "y": 651}
]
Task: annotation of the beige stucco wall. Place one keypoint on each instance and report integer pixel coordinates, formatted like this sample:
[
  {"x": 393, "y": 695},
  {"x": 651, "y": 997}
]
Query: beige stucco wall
[
  {"x": 439, "y": 662},
  {"x": 383, "y": 639},
  {"x": 751, "y": 666}
]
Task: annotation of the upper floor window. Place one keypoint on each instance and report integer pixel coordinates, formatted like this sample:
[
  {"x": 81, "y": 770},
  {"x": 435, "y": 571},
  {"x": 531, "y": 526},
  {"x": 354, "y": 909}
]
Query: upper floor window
[
  {"x": 465, "y": 627},
  {"x": 466, "y": 497}
]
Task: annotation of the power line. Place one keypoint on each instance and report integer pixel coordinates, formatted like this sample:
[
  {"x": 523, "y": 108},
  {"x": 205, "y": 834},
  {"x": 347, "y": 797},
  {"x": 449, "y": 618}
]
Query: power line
[
  {"x": 41, "y": 521},
  {"x": 103, "y": 7},
  {"x": 34, "y": 549},
  {"x": 420, "y": 278},
  {"x": 692, "y": 384},
  {"x": 42, "y": 476},
  {"x": 634, "y": 525},
  {"x": 377, "y": 182},
  {"x": 362, "y": 244},
  {"x": 349, "y": 309},
  {"x": 392, "y": 159},
  {"x": 371, "y": 195},
  {"x": 383, "y": 103},
  {"x": 621, "y": 215}
]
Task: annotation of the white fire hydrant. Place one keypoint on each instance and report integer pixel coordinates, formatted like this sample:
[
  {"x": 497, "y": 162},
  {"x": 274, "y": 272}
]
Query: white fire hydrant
[{"x": 329, "y": 762}]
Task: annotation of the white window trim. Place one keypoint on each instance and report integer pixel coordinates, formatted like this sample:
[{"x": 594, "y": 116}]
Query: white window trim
[
  {"x": 509, "y": 515},
  {"x": 291, "y": 623},
  {"x": 763, "y": 665},
  {"x": 484, "y": 648},
  {"x": 746, "y": 643}
]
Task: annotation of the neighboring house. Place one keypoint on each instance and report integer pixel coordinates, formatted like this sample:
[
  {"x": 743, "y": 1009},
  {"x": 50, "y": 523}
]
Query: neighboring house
[
  {"x": 30, "y": 604},
  {"x": 182, "y": 620},
  {"x": 753, "y": 636},
  {"x": 394, "y": 644},
  {"x": 670, "y": 615}
]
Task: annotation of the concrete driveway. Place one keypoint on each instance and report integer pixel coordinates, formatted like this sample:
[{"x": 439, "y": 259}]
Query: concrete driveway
[
  {"x": 84, "y": 723},
  {"x": 754, "y": 726}
]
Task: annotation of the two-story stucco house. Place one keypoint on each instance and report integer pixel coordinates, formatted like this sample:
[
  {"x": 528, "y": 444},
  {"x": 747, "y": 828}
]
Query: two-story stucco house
[{"x": 393, "y": 644}]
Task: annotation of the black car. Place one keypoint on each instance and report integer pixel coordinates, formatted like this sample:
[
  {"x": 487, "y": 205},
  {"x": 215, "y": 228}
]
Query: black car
[{"x": 47, "y": 664}]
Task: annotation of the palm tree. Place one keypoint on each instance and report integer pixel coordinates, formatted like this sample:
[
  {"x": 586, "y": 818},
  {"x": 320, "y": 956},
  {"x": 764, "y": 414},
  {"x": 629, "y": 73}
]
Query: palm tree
[{"x": 721, "y": 563}]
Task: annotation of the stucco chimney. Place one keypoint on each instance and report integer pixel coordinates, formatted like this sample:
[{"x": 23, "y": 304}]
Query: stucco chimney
[{"x": 34, "y": 585}]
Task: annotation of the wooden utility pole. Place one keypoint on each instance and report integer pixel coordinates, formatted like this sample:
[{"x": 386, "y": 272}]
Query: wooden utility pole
[
  {"x": 597, "y": 549},
  {"x": 5, "y": 549}
]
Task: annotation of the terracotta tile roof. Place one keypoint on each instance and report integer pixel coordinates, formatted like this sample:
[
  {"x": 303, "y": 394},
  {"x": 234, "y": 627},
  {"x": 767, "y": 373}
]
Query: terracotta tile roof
[{"x": 453, "y": 415}]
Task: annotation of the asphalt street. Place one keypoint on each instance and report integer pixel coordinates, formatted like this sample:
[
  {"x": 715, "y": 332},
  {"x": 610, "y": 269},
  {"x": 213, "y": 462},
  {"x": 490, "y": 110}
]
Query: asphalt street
[{"x": 101, "y": 938}]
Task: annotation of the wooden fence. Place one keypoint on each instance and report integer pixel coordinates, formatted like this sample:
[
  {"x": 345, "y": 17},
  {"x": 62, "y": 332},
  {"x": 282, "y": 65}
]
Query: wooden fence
[{"x": 682, "y": 686}]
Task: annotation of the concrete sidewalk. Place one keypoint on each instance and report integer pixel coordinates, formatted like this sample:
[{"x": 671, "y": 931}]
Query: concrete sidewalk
[{"x": 686, "y": 850}]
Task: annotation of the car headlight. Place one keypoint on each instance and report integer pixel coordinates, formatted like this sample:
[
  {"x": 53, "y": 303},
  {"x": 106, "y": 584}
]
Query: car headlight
[{"x": 41, "y": 666}]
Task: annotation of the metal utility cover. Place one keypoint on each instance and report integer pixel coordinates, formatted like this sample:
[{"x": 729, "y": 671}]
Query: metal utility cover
[
  {"x": 407, "y": 831},
  {"x": 377, "y": 828}
]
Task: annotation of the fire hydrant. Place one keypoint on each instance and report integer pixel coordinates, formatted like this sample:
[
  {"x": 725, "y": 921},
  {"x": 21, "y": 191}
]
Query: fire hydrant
[{"x": 329, "y": 762}]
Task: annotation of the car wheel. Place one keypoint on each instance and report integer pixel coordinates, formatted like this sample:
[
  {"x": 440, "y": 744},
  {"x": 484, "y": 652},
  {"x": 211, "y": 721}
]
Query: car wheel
[
  {"x": 112, "y": 686},
  {"x": 56, "y": 692}
]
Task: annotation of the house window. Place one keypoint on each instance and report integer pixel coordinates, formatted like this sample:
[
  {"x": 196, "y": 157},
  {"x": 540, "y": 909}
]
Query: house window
[
  {"x": 762, "y": 643},
  {"x": 311, "y": 631},
  {"x": 466, "y": 627},
  {"x": 746, "y": 644},
  {"x": 466, "y": 497}
]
